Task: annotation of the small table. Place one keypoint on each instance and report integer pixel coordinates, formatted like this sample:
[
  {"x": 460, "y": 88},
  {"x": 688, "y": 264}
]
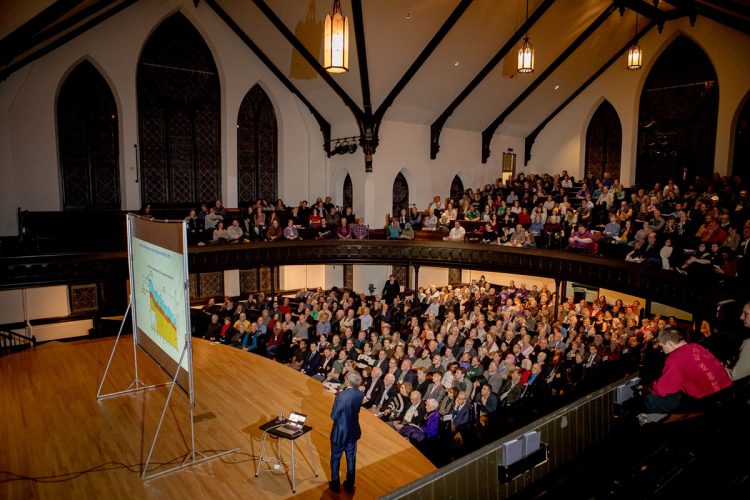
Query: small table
[{"x": 270, "y": 428}]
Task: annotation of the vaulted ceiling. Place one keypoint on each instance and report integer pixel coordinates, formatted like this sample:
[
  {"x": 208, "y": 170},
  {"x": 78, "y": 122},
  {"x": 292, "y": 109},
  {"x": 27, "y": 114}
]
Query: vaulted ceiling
[{"x": 444, "y": 63}]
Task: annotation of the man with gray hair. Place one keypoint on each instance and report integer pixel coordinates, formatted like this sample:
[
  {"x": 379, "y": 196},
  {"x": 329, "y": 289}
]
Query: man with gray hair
[
  {"x": 741, "y": 368},
  {"x": 346, "y": 431}
]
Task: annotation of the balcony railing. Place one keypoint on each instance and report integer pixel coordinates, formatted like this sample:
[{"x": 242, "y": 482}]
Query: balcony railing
[{"x": 665, "y": 287}]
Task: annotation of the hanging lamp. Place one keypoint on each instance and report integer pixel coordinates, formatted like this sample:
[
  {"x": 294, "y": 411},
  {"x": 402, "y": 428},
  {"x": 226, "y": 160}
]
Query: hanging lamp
[
  {"x": 336, "y": 41},
  {"x": 635, "y": 54},
  {"x": 526, "y": 52}
]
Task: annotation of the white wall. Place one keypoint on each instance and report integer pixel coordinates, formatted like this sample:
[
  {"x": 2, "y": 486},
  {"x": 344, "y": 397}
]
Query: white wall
[
  {"x": 334, "y": 276},
  {"x": 41, "y": 302},
  {"x": 231, "y": 283},
  {"x": 437, "y": 276},
  {"x": 613, "y": 295},
  {"x": 364, "y": 275},
  {"x": 504, "y": 279},
  {"x": 56, "y": 331},
  {"x": 561, "y": 146},
  {"x": 310, "y": 277},
  {"x": 405, "y": 148},
  {"x": 29, "y": 168},
  {"x": 664, "y": 310}
]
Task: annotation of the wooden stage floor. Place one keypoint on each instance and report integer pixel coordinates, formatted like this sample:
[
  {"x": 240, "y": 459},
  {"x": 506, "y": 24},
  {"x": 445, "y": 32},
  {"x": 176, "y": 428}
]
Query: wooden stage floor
[{"x": 51, "y": 424}]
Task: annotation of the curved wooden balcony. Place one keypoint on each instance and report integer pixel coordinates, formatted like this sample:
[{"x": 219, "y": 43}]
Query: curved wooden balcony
[{"x": 661, "y": 286}]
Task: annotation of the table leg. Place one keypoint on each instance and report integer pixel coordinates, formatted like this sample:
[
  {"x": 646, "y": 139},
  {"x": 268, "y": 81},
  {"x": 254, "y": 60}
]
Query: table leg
[
  {"x": 312, "y": 457},
  {"x": 294, "y": 482},
  {"x": 262, "y": 454}
]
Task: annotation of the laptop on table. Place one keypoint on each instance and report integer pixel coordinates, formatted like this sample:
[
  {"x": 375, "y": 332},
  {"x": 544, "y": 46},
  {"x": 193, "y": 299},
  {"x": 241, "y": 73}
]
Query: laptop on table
[{"x": 293, "y": 425}]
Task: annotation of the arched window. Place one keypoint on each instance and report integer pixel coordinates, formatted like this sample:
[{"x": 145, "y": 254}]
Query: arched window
[
  {"x": 741, "y": 164},
  {"x": 604, "y": 142},
  {"x": 400, "y": 193},
  {"x": 457, "y": 189},
  {"x": 88, "y": 141},
  {"x": 257, "y": 154},
  {"x": 677, "y": 116},
  {"x": 348, "y": 192},
  {"x": 178, "y": 117}
]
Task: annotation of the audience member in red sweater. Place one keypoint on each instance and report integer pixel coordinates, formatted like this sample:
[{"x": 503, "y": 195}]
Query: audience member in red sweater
[{"x": 690, "y": 370}]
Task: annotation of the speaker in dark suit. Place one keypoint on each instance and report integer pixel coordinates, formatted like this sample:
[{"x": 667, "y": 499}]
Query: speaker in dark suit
[{"x": 346, "y": 431}]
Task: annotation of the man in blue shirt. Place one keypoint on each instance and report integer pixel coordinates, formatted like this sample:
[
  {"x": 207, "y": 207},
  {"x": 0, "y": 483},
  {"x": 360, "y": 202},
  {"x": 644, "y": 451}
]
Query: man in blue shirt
[{"x": 346, "y": 431}]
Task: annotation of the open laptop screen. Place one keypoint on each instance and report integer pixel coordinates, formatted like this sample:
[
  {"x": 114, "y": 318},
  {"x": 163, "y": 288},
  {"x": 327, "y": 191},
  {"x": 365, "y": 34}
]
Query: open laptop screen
[{"x": 297, "y": 419}]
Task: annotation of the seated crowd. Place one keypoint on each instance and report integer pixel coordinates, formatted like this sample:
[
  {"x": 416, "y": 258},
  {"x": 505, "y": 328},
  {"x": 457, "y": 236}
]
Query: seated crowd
[
  {"x": 700, "y": 229},
  {"x": 448, "y": 368},
  {"x": 276, "y": 222}
]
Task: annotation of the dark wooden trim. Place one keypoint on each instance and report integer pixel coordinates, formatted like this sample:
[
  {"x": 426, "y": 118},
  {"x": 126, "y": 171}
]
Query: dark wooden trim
[
  {"x": 52, "y": 320},
  {"x": 311, "y": 60},
  {"x": 668, "y": 288},
  {"x": 367, "y": 125},
  {"x": 529, "y": 141},
  {"x": 65, "y": 38},
  {"x": 42, "y": 37},
  {"x": 692, "y": 8},
  {"x": 325, "y": 127},
  {"x": 422, "y": 58},
  {"x": 647, "y": 10},
  {"x": 62, "y": 269},
  {"x": 488, "y": 132},
  {"x": 437, "y": 126},
  {"x": 730, "y": 5},
  {"x": 16, "y": 43},
  {"x": 359, "y": 36}
]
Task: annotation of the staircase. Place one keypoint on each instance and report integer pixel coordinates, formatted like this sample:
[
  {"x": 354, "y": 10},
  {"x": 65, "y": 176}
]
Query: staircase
[{"x": 11, "y": 342}]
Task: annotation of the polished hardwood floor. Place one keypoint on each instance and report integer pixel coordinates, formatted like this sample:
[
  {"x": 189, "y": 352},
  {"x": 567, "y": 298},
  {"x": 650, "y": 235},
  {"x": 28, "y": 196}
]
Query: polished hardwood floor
[{"x": 51, "y": 423}]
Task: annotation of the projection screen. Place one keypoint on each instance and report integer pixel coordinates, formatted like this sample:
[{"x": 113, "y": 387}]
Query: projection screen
[{"x": 157, "y": 252}]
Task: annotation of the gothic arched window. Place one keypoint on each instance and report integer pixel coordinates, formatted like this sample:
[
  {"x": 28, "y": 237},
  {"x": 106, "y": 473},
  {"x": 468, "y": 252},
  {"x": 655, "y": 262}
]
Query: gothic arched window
[
  {"x": 178, "y": 117},
  {"x": 348, "y": 192},
  {"x": 677, "y": 116},
  {"x": 742, "y": 143},
  {"x": 457, "y": 189},
  {"x": 87, "y": 129},
  {"x": 604, "y": 142},
  {"x": 257, "y": 151},
  {"x": 400, "y": 193}
]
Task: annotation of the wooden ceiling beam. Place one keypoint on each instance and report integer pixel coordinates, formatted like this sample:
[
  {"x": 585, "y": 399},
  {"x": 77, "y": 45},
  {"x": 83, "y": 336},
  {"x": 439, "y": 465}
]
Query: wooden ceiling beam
[
  {"x": 325, "y": 127},
  {"x": 529, "y": 141},
  {"x": 693, "y": 9},
  {"x": 364, "y": 77},
  {"x": 490, "y": 130},
  {"x": 70, "y": 35},
  {"x": 437, "y": 126},
  {"x": 311, "y": 60},
  {"x": 422, "y": 58},
  {"x": 11, "y": 45}
]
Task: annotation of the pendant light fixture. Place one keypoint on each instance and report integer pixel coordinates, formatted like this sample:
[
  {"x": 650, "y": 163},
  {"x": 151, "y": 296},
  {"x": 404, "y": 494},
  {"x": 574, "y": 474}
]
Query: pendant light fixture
[
  {"x": 336, "y": 41},
  {"x": 635, "y": 54},
  {"x": 526, "y": 52}
]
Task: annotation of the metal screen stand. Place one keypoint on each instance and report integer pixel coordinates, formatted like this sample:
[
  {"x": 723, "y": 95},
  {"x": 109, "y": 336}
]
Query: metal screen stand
[
  {"x": 136, "y": 385},
  {"x": 191, "y": 458}
]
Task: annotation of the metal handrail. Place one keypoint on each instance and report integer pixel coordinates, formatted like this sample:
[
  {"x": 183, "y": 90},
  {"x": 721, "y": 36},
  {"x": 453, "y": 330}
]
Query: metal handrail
[{"x": 10, "y": 340}]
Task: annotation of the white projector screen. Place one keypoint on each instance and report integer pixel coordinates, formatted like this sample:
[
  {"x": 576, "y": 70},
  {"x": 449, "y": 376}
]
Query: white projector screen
[{"x": 159, "y": 293}]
